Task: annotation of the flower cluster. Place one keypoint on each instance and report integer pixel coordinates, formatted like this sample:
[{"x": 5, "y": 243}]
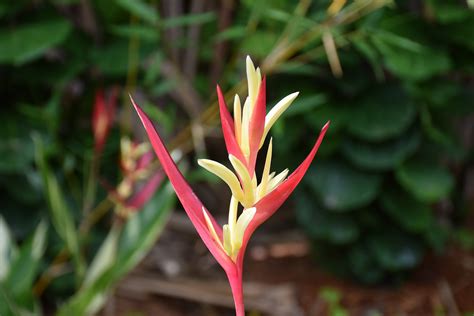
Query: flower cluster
[{"x": 244, "y": 136}]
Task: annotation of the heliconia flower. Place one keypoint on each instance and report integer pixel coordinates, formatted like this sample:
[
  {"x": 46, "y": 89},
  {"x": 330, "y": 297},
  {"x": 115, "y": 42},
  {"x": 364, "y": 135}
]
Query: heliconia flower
[
  {"x": 244, "y": 136},
  {"x": 139, "y": 181},
  {"x": 103, "y": 115}
]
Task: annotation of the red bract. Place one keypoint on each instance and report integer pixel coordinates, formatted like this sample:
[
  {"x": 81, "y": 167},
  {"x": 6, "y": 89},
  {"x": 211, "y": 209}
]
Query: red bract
[
  {"x": 103, "y": 115},
  {"x": 244, "y": 137}
]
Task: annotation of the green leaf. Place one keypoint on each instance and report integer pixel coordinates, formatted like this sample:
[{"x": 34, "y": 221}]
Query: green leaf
[
  {"x": 396, "y": 251},
  {"x": 112, "y": 59},
  {"x": 321, "y": 224},
  {"x": 231, "y": 33},
  {"x": 7, "y": 249},
  {"x": 61, "y": 215},
  {"x": 426, "y": 181},
  {"x": 143, "y": 32},
  {"x": 141, "y": 231},
  {"x": 410, "y": 60},
  {"x": 259, "y": 43},
  {"x": 28, "y": 42},
  {"x": 411, "y": 214},
  {"x": 303, "y": 105},
  {"x": 337, "y": 114},
  {"x": 16, "y": 148},
  {"x": 384, "y": 114},
  {"x": 189, "y": 19},
  {"x": 363, "y": 265},
  {"x": 340, "y": 187},
  {"x": 136, "y": 239},
  {"x": 24, "y": 268},
  {"x": 141, "y": 9},
  {"x": 383, "y": 156},
  {"x": 104, "y": 258},
  {"x": 330, "y": 295},
  {"x": 448, "y": 11}
]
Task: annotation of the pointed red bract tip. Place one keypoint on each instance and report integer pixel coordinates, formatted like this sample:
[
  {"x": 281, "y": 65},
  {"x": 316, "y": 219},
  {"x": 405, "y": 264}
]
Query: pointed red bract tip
[
  {"x": 228, "y": 129},
  {"x": 271, "y": 202},
  {"x": 191, "y": 204}
]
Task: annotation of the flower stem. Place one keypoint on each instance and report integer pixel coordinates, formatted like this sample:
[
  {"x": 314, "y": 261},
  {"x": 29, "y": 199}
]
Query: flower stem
[{"x": 235, "y": 280}]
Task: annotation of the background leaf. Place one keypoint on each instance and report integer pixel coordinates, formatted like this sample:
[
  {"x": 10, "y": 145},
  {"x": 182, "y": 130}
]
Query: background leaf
[
  {"x": 28, "y": 42},
  {"x": 341, "y": 188},
  {"x": 426, "y": 181}
]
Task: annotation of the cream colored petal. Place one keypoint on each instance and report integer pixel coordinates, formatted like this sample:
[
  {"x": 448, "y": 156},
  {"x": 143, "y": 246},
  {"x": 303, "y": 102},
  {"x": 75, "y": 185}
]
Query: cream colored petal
[
  {"x": 262, "y": 189},
  {"x": 242, "y": 223},
  {"x": 276, "y": 112},
  {"x": 249, "y": 194},
  {"x": 237, "y": 119},
  {"x": 233, "y": 208},
  {"x": 211, "y": 228},
  {"x": 251, "y": 80},
  {"x": 225, "y": 174},
  {"x": 273, "y": 183},
  {"x": 245, "y": 139},
  {"x": 227, "y": 240}
]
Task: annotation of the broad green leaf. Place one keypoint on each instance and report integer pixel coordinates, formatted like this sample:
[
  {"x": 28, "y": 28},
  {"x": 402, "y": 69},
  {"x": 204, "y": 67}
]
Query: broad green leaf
[
  {"x": 408, "y": 59},
  {"x": 258, "y": 44},
  {"x": 396, "y": 251},
  {"x": 426, "y": 181},
  {"x": 370, "y": 53},
  {"x": 411, "y": 214},
  {"x": 342, "y": 188},
  {"x": 385, "y": 113},
  {"x": 141, "y": 9},
  {"x": 438, "y": 93},
  {"x": 30, "y": 41},
  {"x": 383, "y": 156},
  {"x": 231, "y": 33},
  {"x": 303, "y": 105},
  {"x": 7, "y": 249},
  {"x": 61, "y": 215},
  {"x": 321, "y": 224},
  {"x": 24, "y": 268},
  {"x": 136, "y": 239},
  {"x": 112, "y": 59},
  {"x": 336, "y": 113}
]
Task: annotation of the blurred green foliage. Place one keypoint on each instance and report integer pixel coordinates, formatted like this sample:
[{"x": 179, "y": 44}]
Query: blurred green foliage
[{"x": 367, "y": 202}]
